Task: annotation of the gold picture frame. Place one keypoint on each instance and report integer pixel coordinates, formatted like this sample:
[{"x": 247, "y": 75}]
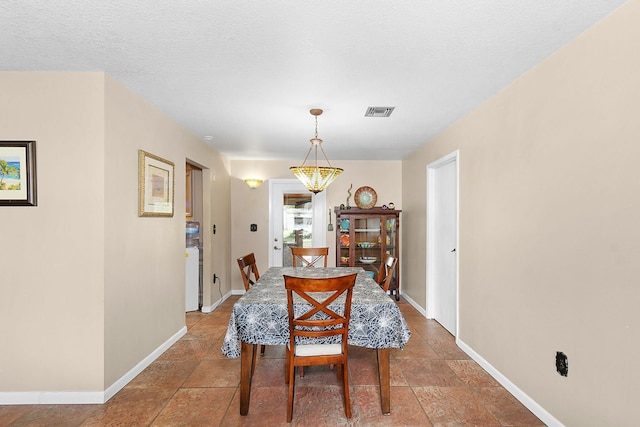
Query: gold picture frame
[{"x": 155, "y": 185}]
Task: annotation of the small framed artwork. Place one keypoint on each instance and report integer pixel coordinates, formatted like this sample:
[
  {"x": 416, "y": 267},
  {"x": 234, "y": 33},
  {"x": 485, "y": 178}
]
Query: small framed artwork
[
  {"x": 155, "y": 185},
  {"x": 18, "y": 173}
]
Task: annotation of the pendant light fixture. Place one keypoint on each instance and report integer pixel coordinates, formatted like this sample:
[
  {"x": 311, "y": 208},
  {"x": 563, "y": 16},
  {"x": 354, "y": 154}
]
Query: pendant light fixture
[{"x": 316, "y": 178}]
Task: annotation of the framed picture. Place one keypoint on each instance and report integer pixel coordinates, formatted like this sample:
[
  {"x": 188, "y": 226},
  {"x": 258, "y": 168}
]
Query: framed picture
[
  {"x": 18, "y": 173},
  {"x": 155, "y": 185}
]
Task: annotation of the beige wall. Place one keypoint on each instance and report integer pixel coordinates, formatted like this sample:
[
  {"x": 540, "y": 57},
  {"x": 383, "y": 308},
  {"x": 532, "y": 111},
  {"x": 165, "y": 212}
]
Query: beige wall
[
  {"x": 549, "y": 231},
  {"x": 90, "y": 289},
  {"x": 51, "y": 292},
  {"x": 252, "y": 206},
  {"x": 144, "y": 277}
]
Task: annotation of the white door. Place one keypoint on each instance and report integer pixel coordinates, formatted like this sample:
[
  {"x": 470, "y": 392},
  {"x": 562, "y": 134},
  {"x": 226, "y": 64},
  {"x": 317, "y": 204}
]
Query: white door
[
  {"x": 297, "y": 218},
  {"x": 442, "y": 242}
]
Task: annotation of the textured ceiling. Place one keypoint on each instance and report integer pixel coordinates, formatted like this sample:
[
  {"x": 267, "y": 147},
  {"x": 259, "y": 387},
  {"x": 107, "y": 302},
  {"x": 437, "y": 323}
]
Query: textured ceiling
[{"x": 247, "y": 72}]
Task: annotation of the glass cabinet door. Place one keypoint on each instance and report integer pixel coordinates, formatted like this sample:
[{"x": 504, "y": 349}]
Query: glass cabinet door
[
  {"x": 344, "y": 242},
  {"x": 391, "y": 240},
  {"x": 368, "y": 243},
  {"x": 390, "y": 236}
]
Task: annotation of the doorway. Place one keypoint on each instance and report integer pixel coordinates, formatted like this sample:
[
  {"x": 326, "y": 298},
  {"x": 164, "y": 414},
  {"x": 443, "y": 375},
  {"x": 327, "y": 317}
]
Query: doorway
[
  {"x": 442, "y": 242},
  {"x": 297, "y": 218},
  {"x": 194, "y": 254}
]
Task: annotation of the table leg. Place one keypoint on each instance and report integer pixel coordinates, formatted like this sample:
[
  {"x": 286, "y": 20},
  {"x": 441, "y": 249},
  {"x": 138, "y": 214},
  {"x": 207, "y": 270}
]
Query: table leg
[
  {"x": 384, "y": 375},
  {"x": 247, "y": 359}
]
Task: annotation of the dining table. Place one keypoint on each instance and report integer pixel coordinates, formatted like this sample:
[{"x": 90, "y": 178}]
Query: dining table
[{"x": 260, "y": 317}]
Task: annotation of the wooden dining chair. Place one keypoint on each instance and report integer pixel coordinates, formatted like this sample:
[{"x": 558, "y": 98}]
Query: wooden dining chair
[
  {"x": 318, "y": 322},
  {"x": 309, "y": 257},
  {"x": 385, "y": 273},
  {"x": 248, "y": 270},
  {"x": 250, "y": 275}
]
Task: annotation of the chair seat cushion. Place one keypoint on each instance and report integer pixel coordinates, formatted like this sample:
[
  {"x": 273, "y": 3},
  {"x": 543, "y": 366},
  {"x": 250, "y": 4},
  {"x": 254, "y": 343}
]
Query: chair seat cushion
[{"x": 318, "y": 349}]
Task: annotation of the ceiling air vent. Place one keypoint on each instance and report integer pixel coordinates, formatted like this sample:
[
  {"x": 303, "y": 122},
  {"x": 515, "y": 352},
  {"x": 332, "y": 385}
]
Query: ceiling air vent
[{"x": 379, "y": 111}]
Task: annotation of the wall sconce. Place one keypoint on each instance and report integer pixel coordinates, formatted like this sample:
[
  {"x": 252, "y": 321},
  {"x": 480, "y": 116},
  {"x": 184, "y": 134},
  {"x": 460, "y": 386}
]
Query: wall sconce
[{"x": 253, "y": 182}]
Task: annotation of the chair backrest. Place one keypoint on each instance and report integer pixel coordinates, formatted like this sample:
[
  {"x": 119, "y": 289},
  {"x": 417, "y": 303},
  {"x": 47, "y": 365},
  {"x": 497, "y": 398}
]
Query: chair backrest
[
  {"x": 309, "y": 257},
  {"x": 319, "y": 320},
  {"x": 248, "y": 270},
  {"x": 386, "y": 271}
]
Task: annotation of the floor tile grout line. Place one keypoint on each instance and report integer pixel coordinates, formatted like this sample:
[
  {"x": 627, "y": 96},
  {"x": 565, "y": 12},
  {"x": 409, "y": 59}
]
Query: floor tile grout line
[
  {"x": 163, "y": 407},
  {"x": 426, "y": 414},
  {"x": 226, "y": 412}
]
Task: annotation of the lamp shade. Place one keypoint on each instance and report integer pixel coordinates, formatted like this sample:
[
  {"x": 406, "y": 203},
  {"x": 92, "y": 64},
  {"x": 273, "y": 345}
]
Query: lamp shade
[
  {"x": 316, "y": 178},
  {"x": 253, "y": 182}
]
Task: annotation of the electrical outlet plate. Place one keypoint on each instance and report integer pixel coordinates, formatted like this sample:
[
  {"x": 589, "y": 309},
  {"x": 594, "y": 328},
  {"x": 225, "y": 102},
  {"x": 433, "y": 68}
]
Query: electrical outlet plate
[{"x": 562, "y": 363}]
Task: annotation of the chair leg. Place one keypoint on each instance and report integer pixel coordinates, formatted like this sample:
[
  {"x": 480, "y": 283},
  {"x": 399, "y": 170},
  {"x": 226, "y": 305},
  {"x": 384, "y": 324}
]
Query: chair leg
[
  {"x": 292, "y": 383},
  {"x": 286, "y": 367},
  {"x": 301, "y": 369},
  {"x": 262, "y": 350},
  {"x": 345, "y": 388}
]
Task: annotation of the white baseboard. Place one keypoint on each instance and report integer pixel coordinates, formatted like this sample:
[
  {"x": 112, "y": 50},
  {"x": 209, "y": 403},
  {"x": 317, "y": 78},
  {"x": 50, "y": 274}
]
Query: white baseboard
[
  {"x": 527, "y": 401},
  {"x": 126, "y": 378},
  {"x": 210, "y": 308},
  {"x": 50, "y": 397},
  {"x": 87, "y": 397},
  {"x": 415, "y": 305}
]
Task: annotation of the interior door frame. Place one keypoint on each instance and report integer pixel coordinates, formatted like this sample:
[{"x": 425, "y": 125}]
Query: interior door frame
[
  {"x": 319, "y": 201},
  {"x": 431, "y": 244}
]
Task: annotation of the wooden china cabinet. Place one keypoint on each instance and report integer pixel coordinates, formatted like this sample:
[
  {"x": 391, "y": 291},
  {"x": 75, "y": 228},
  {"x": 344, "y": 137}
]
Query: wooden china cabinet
[{"x": 364, "y": 235}]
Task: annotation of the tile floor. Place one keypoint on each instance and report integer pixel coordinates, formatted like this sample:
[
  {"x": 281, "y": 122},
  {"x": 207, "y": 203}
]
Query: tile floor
[{"x": 433, "y": 384}]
